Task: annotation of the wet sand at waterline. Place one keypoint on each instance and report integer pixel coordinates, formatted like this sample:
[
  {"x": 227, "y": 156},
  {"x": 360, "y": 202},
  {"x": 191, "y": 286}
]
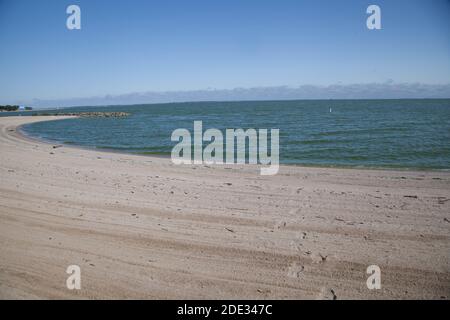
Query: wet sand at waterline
[{"x": 141, "y": 227}]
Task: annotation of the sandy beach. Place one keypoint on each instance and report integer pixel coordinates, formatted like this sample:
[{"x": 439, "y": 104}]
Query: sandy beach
[{"x": 142, "y": 227}]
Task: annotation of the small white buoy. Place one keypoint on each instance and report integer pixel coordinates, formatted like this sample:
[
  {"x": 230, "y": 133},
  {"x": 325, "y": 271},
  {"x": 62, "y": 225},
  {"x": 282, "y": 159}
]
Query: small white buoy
[{"x": 330, "y": 110}]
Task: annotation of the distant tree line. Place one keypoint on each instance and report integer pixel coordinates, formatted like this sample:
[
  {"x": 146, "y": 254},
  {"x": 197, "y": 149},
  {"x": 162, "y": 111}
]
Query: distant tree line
[
  {"x": 9, "y": 108},
  {"x": 12, "y": 108}
]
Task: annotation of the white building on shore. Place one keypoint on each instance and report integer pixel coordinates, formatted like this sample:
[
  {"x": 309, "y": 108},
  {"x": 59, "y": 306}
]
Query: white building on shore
[{"x": 24, "y": 108}]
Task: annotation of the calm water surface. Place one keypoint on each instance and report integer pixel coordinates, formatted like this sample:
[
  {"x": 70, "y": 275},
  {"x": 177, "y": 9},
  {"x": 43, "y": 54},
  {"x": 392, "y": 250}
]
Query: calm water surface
[{"x": 357, "y": 133}]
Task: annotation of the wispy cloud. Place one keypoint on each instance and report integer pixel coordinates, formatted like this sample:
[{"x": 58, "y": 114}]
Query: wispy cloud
[{"x": 387, "y": 90}]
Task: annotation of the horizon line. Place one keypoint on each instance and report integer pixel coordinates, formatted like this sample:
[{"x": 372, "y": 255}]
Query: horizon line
[
  {"x": 356, "y": 91},
  {"x": 218, "y": 101}
]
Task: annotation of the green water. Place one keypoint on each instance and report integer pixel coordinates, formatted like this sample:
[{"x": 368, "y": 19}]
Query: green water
[{"x": 412, "y": 134}]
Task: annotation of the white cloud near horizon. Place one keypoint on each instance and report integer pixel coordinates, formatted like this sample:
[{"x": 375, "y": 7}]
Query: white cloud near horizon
[{"x": 387, "y": 90}]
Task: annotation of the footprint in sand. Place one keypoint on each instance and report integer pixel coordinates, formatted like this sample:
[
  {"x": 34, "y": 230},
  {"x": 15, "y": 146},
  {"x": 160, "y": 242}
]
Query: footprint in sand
[
  {"x": 280, "y": 224},
  {"x": 297, "y": 242},
  {"x": 327, "y": 294},
  {"x": 295, "y": 270},
  {"x": 319, "y": 258}
]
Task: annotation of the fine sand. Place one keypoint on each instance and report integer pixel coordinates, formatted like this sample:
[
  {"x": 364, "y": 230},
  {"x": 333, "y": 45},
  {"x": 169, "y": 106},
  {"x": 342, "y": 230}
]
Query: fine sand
[{"x": 141, "y": 227}]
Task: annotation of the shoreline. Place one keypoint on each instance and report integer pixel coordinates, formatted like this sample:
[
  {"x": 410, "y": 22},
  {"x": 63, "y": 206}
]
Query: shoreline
[
  {"x": 140, "y": 227},
  {"x": 22, "y": 132}
]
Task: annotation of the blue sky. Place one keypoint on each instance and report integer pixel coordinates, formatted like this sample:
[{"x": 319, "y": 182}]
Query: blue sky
[{"x": 141, "y": 46}]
